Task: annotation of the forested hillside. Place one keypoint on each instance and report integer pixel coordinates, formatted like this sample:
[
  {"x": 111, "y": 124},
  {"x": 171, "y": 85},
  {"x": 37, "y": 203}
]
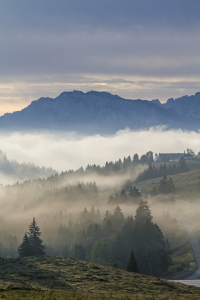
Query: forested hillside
[
  {"x": 12, "y": 171},
  {"x": 187, "y": 186},
  {"x": 101, "y": 221}
]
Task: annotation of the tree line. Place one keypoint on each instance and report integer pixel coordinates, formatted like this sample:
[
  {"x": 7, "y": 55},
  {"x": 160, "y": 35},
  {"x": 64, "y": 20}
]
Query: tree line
[
  {"x": 69, "y": 193},
  {"x": 133, "y": 242},
  {"x": 131, "y": 195},
  {"x": 154, "y": 172},
  {"x": 166, "y": 186},
  {"x": 55, "y": 186}
]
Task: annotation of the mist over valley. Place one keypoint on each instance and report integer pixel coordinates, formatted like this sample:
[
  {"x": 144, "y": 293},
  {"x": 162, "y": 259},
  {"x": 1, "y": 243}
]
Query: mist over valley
[
  {"x": 100, "y": 150},
  {"x": 103, "y": 189}
]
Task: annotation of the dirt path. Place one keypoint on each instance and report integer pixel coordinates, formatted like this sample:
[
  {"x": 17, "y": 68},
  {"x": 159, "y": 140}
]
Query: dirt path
[{"x": 139, "y": 187}]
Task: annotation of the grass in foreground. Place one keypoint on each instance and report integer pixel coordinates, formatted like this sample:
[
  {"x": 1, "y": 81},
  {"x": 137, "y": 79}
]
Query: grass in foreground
[
  {"x": 48, "y": 277},
  {"x": 64, "y": 295}
]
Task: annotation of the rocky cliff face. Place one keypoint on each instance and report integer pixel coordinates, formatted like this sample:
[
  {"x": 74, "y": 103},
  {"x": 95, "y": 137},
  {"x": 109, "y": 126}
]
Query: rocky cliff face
[
  {"x": 187, "y": 107},
  {"x": 94, "y": 112}
]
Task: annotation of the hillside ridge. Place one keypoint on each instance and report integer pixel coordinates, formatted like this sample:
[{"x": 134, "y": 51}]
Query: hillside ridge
[{"x": 51, "y": 272}]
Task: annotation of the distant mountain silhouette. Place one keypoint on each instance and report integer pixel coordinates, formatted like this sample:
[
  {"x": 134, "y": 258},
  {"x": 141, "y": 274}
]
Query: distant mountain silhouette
[
  {"x": 12, "y": 171},
  {"x": 103, "y": 113},
  {"x": 187, "y": 106}
]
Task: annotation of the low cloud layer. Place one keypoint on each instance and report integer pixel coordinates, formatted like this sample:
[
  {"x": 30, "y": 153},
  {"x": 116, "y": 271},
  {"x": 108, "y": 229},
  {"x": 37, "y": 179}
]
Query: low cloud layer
[{"x": 66, "y": 151}]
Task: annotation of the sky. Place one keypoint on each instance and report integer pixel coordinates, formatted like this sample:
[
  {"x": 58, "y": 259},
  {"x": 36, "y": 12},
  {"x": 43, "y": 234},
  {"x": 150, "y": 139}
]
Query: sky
[{"x": 138, "y": 49}]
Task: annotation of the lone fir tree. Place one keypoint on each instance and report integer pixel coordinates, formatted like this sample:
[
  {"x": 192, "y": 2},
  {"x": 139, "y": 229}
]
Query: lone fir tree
[
  {"x": 25, "y": 248},
  {"x": 32, "y": 244},
  {"x": 132, "y": 264},
  {"x": 164, "y": 185},
  {"x": 143, "y": 213}
]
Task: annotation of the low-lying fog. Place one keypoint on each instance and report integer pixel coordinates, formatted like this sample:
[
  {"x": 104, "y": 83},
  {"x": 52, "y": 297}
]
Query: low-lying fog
[
  {"x": 64, "y": 151},
  {"x": 62, "y": 198}
]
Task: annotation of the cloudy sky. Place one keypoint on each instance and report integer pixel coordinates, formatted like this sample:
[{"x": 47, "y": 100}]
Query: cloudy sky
[{"x": 134, "y": 48}]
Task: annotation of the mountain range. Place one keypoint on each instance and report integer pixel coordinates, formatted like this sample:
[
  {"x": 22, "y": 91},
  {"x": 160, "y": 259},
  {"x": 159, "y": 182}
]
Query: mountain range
[
  {"x": 187, "y": 106},
  {"x": 103, "y": 113}
]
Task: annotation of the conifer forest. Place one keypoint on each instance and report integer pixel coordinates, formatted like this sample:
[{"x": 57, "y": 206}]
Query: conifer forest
[{"x": 108, "y": 221}]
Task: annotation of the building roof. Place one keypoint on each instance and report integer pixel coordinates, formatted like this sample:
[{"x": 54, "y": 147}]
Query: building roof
[
  {"x": 170, "y": 155},
  {"x": 173, "y": 156}
]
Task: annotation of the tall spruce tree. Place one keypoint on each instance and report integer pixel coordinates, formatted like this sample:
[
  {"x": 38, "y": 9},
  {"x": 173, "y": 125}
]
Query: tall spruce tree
[
  {"x": 143, "y": 212},
  {"x": 166, "y": 186},
  {"x": 163, "y": 185},
  {"x": 34, "y": 235},
  {"x": 25, "y": 248},
  {"x": 148, "y": 242},
  {"x": 32, "y": 243},
  {"x": 132, "y": 264},
  {"x": 136, "y": 158}
]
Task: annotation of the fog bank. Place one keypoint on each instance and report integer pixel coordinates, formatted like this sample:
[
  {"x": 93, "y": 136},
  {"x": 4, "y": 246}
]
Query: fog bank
[{"x": 64, "y": 151}]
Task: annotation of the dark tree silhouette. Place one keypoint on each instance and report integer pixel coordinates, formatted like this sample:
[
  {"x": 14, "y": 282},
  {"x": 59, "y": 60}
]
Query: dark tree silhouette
[
  {"x": 34, "y": 236},
  {"x": 25, "y": 248},
  {"x": 166, "y": 186},
  {"x": 134, "y": 194},
  {"x": 136, "y": 158},
  {"x": 163, "y": 185},
  {"x": 143, "y": 212},
  {"x": 154, "y": 192},
  {"x": 32, "y": 243},
  {"x": 182, "y": 166},
  {"x": 132, "y": 264}
]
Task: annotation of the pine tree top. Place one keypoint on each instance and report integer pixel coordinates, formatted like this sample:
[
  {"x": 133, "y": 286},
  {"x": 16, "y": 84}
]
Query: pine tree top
[
  {"x": 32, "y": 244},
  {"x": 143, "y": 212}
]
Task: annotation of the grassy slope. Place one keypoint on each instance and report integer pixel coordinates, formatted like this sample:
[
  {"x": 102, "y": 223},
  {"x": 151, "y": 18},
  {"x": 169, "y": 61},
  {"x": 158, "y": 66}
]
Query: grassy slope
[
  {"x": 187, "y": 185},
  {"x": 194, "y": 163},
  {"x": 41, "y": 274},
  {"x": 182, "y": 259},
  {"x": 187, "y": 189}
]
